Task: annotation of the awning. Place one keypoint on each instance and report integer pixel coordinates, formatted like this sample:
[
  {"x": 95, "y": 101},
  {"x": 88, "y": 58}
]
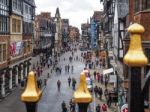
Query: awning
[{"x": 107, "y": 71}]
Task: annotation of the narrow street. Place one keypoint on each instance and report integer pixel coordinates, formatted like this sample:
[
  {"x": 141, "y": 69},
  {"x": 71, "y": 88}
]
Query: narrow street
[{"x": 51, "y": 99}]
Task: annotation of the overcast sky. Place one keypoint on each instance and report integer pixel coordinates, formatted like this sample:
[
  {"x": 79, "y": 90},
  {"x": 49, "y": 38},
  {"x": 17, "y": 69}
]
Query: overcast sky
[{"x": 77, "y": 11}]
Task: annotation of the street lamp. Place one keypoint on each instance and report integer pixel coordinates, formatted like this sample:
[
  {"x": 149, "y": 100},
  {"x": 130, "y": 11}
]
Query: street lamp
[{"x": 135, "y": 59}]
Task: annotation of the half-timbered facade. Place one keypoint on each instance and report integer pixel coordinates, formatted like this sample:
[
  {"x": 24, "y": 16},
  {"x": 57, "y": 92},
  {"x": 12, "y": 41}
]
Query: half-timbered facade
[{"x": 4, "y": 44}]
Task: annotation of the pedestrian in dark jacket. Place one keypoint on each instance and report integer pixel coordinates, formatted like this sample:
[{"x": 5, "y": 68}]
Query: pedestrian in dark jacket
[
  {"x": 69, "y": 81},
  {"x": 94, "y": 75},
  {"x": 73, "y": 83},
  {"x": 98, "y": 108},
  {"x": 96, "y": 91},
  {"x": 100, "y": 93},
  {"x": 63, "y": 106}
]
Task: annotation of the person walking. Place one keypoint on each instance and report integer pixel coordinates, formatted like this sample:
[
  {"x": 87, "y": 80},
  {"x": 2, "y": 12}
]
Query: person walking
[
  {"x": 72, "y": 69},
  {"x": 72, "y": 105},
  {"x": 58, "y": 85},
  {"x": 104, "y": 108},
  {"x": 98, "y": 108},
  {"x": 98, "y": 77},
  {"x": 96, "y": 90},
  {"x": 94, "y": 75},
  {"x": 68, "y": 68},
  {"x": 69, "y": 81},
  {"x": 73, "y": 83},
  {"x": 60, "y": 69},
  {"x": 63, "y": 106}
]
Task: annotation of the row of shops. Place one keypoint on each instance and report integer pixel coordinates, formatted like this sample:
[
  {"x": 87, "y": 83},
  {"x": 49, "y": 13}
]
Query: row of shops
[{"x": 13, "y": 75}]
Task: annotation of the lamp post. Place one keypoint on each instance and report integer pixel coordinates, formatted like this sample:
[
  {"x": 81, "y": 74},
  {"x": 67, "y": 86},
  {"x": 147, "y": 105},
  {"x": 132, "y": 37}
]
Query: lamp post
[
  {"x": 32, "y": 94},
  {"x": 135, "y": 59},
  {"x": 82, "y": 95}
]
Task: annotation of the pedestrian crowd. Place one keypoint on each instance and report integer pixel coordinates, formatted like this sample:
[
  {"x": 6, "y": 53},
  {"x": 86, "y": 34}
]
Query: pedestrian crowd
[
  {"x": 101, "y": 108},
  {"x": 70, "y": 108}
]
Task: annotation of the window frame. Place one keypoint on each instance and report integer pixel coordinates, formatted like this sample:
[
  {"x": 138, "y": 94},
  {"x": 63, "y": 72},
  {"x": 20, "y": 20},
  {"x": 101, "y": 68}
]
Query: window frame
[
  {"x": 145, "y": 4},
  {"x": 3, "y": 58},
  {"x": 16, "y": 26},
  {"x": 136, "y": 5},
  {"x": 4, "y": 25}
]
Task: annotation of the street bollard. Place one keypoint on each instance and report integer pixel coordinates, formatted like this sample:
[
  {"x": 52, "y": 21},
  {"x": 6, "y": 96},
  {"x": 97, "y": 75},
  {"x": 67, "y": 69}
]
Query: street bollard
[
  {"x": 32, "y": 93},
  {"x": 135, "y": 59},
  {"x": 82, "y": 95}
]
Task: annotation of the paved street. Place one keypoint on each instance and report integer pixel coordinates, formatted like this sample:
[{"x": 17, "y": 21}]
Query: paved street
[{"x": 51, "y": 99}]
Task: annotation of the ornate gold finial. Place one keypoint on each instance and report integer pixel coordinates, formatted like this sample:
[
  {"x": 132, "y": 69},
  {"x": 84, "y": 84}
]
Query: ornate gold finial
[
  {"x": 32, "y": 93},
  {"x": 135, "y": 55},
  {"x": 82, "y": 94}
]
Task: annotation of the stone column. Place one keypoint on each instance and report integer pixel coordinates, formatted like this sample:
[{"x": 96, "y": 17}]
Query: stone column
[
  {"x": 21, "y": 72},
  {"x": 16, "y": 75},
  {"x": 26, "y": 72},
  {"x": 10, "y": 80},
  {"x": 3, "y": 85}
]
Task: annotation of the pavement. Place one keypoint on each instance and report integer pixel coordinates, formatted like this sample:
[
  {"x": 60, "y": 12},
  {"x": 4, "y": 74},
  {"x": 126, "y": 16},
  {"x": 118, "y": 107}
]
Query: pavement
[{"x": 12, "y": 102}]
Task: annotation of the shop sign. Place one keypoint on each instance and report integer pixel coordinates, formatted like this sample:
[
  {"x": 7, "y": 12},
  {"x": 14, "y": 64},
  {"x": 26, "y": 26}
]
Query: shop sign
[{"x": 107, "y": 71}]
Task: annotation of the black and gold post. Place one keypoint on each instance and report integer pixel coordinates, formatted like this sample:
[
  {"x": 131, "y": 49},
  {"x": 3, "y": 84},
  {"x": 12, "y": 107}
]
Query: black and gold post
[
  {"x": 82, "y": 95},
  {"x": 32, "y": 93},
  {"x": 135, "y": 59}
]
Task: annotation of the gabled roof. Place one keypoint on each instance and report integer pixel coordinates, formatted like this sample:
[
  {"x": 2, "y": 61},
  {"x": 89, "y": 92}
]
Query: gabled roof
[
  {"x": 31, "y": 2},
  {"x": 123, "y": 8},
  {"x": 57, "y": 14}
]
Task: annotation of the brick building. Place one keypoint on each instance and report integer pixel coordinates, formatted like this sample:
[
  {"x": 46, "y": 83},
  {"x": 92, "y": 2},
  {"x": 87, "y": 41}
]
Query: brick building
[
  {"x": 73, "y": 33},
  {"x": 14, "y": 60}
]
